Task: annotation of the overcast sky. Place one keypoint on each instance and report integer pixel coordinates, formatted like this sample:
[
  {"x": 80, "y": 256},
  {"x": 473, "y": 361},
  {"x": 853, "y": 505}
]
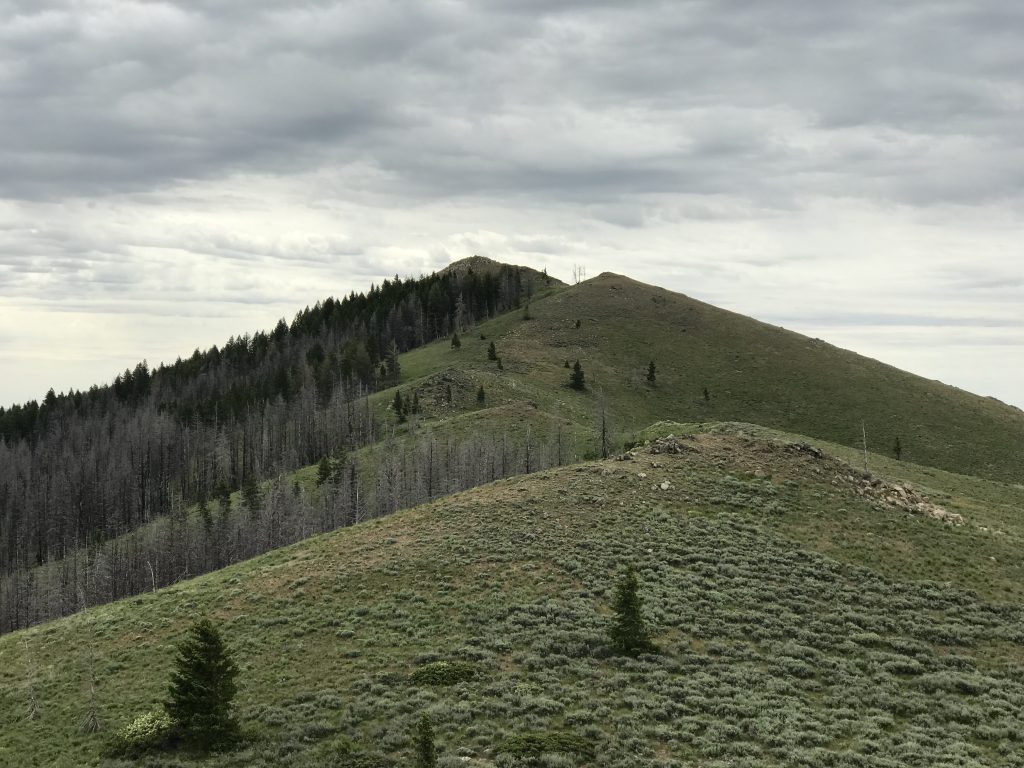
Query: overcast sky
[{"x": 175, "y": 173}]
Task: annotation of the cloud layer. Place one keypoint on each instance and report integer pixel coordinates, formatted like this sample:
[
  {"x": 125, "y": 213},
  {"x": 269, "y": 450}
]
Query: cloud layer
[{"x": 172, "y": 173}]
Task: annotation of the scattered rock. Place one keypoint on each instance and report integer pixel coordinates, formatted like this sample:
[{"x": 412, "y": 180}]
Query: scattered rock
[
  {"x": 672, "y": 444},
  {"x": 810, "y": 450},
  {"x": 665, "y": 485}
]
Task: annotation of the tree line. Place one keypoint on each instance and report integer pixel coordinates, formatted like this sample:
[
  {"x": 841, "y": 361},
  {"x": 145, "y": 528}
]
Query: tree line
[
  {"x": 81, "y": 468},
  {"x": 351, "y": 487}
]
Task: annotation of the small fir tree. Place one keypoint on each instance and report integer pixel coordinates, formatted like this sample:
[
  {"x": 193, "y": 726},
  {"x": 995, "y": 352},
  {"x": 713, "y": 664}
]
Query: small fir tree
[
  {"x": 500, "y": 366},
  {"x": 202, "y": 689},
  {"x": 456, "y": 341},
  {"x": 492, "y": 353},
  {"x": 393, "y": 368},
  {"x": 652, "y": 373},
  {"x": 707, "y": 395},
  {"x": 628, "y": 633},
  {"x": 323, "y": 471},
  {"x": 897, "y": 449},
  {"x": 251, "y": 494},
  {"x": 399, "y": 407},
  {"x": 480, "y": 396},
  {"x": 576, "y": 380},
  {"x": 416, "y": 403},
  {"x": 423, "y": 741}
]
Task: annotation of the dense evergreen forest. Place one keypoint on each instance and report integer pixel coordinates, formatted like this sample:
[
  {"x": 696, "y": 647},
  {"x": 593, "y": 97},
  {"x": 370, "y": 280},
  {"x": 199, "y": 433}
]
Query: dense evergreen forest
[{"x": 82, "y": 468}]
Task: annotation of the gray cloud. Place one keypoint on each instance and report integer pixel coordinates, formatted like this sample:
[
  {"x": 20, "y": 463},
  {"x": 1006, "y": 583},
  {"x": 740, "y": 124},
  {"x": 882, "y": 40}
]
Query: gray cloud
[{"x": 586, "y": 101}]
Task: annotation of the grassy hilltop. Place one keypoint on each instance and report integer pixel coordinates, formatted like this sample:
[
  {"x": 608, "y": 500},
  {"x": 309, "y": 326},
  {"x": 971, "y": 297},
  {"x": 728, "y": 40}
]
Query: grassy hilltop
[
  {"x": 753, "y": 372},
  {"x": 902, "y": 646}
]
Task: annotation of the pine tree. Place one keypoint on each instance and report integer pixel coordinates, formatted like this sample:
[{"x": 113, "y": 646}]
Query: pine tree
[
  {"x": 399, "y": 407},
  {"x": 492, "y": 353},
  {"x": 202, "y": 689},
  {"x": 652, "y": 373},
  {"x": 897, "y": 449},
  {"x": 323, "y": 471},
  {"x": 423, "y": 740},
  {"x": 456, "y": 342},
  {"x": 707, "y": 395},
  {"x": 415, "y": 402},
  {"x": 628, "y": 634},
  {"x": 394, "y": 367},
  {"x": 251, "y": 494},
  {"x": 576, "y": 380},
  {"x": 501, "y": 367},
  {"x": 480, "y": 396}
]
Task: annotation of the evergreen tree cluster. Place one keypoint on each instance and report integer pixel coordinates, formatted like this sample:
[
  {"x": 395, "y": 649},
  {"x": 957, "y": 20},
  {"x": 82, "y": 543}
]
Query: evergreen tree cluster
[
  {"x": 335, "y": 340},
  {"x": 80, "y": 467}
]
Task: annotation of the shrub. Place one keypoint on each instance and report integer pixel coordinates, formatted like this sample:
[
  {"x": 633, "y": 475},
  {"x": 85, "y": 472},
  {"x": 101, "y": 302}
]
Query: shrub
[
  {"x": 146, "y": 733},
  {"x": 531, "y": 746},
  {"x": 444, "y": 673}
]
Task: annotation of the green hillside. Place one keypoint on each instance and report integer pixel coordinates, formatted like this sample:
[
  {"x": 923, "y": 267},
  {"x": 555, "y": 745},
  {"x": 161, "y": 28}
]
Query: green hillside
[
  {"x": 902, "y": 646},
  {"x": 753, "y": 372},
  {"x": 806, "y": 612}
]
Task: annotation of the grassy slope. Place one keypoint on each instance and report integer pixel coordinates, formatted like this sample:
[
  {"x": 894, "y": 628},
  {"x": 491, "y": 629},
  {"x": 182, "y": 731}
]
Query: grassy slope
[
  {"x": 772, "y": 653},
  {"x": 330, "y": 628},
  {"x": 755, "y": 373}
]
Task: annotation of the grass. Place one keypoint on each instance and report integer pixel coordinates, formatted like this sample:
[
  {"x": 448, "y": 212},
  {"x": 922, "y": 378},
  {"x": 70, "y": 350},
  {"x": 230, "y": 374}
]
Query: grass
[
  {"x": 753, "y": 372},
  {"x": 771, "y": 652}
]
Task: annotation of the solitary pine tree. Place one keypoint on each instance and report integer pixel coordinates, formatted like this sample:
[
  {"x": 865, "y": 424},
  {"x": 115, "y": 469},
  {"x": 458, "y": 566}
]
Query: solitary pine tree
[
  {"x": 500, "y": 366},
  {"x": 423, "y": 739},
  {"x": 251, "y": 494},
  {"x": 456, "y": 342},
  {"x": 707, "y": 395},
  {"x": 628, "y": 633},
  {"x": 576, "y": 380},
  {"x": 480, "y": 396},
  {"x": 202, "y": 689},
  {"x": 492, "y": 353},
  {"x": 399, "y": 407},
  {"x": 898, "y": 449},
  {"x": 652, "y": 373},
  {"x": 323, "y": 471},
  {"x": 394, "y": 367}
]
